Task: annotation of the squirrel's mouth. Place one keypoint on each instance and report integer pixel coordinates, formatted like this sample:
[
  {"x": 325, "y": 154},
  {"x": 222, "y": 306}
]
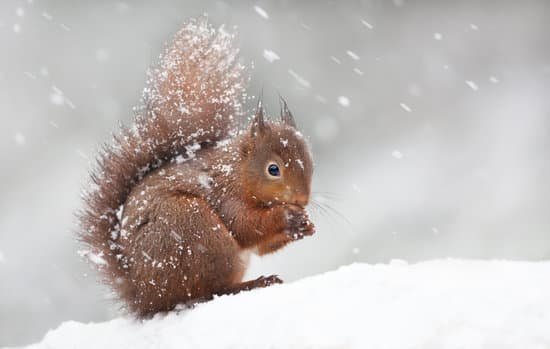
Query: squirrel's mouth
[
  {"x": 297, "y": 199},
  {"x": 303, "y": 207}
]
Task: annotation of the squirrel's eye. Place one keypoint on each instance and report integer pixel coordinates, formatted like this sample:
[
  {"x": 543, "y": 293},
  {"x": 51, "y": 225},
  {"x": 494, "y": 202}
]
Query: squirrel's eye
[{"x": 273, "y": 170}]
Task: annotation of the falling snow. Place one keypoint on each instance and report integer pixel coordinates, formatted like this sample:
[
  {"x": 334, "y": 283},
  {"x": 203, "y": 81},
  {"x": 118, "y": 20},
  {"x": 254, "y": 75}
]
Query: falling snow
[
  {"x": 95, "y": 258},
  {"x": 344, "y": 101},
  {"x": 30, "y": 75},
  {"x": 472, "y": 85},
  {"x": 358, "y": 71},
  {"x": 299, "y": 78},
  {"x": 405, "y": 107},
  {"x": 57, "y": 97},
  {"x": 352, "y": 55},
  {"x": 397, "y": 154},
  {"x": 271, "y": 56},
  {"x": 263, "y": 13},
  {"x": 81, "y": 154},
  {"x": 47, "y": 16},
  {"x": 320, "y": 99},
  {"x": 335, "y": 60},
  {"x": 367, "y": 24}
]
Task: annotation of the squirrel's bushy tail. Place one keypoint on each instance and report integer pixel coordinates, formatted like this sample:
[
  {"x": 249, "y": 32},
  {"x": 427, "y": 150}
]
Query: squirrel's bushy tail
[{"x": 193, "y": 97}]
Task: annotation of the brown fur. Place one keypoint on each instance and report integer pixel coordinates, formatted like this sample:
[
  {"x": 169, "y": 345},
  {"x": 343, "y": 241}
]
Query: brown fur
[{"x": 180, "y": 199}]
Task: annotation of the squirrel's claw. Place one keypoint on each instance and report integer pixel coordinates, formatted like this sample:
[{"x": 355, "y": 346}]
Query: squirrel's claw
[
  {"x": 271, "y": 280},
  {"x": 265, "y": 281}
]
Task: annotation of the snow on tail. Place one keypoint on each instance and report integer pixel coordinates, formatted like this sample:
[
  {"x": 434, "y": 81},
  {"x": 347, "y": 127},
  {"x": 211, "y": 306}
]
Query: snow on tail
[{"x": 193, "y": 98}]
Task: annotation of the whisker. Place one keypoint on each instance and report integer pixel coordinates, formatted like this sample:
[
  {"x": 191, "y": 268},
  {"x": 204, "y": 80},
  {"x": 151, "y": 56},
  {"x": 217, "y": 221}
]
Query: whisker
[
  {"x": 317, "y": 208},
  {"x": 318, "y": 205},
  {"x": 329, "y": 209},
  {"x": 326, "y": 195}
]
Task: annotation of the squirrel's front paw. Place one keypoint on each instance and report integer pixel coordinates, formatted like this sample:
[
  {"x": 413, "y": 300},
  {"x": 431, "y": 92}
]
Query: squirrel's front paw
[{"x": 298, "y": 223}]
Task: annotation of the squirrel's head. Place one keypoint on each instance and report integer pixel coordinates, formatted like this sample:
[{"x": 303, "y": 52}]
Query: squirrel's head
[{"x": 277, "y": 161}]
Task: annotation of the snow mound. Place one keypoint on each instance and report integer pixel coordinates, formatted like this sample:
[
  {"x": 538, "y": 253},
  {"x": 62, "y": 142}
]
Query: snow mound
[{"x": 436, "y": 304}]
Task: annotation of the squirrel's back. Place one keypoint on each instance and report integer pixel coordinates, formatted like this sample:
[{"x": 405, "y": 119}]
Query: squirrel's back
[{"x": 193, "y": 98}]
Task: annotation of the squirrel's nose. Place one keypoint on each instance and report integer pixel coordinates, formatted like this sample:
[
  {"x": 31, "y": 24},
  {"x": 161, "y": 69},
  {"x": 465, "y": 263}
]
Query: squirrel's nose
[{"x": 301, "y": 199}]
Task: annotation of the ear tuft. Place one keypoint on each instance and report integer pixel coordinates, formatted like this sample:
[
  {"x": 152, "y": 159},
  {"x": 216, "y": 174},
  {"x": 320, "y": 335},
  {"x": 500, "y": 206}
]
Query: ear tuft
[
  {"x": 258, "y": 122},
  {"x": 286, "y": 115}
]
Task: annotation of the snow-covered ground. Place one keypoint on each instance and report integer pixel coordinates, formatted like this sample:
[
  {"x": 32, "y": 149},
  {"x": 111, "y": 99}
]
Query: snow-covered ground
[{"x": 436, "y": 304}]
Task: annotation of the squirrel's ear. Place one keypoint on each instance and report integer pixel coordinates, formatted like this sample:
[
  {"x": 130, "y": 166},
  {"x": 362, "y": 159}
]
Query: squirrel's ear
[
  {"x": 286, "y": 115},
  {"x": 258, "y": 123}
]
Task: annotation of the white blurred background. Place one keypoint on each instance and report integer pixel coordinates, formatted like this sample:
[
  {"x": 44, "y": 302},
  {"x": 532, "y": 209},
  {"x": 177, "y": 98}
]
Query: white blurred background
[{"x": 430, "y": 125}]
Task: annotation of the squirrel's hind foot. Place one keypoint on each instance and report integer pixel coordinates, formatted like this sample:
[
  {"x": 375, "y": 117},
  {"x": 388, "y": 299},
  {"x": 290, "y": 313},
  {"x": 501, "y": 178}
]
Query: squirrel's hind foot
[
  {"x": 261, "y": 282},
  {"x": 265, "y": 281}
]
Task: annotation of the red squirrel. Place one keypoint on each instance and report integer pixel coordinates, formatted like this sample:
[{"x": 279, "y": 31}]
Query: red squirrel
[{"x": 181, "y": 198}]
